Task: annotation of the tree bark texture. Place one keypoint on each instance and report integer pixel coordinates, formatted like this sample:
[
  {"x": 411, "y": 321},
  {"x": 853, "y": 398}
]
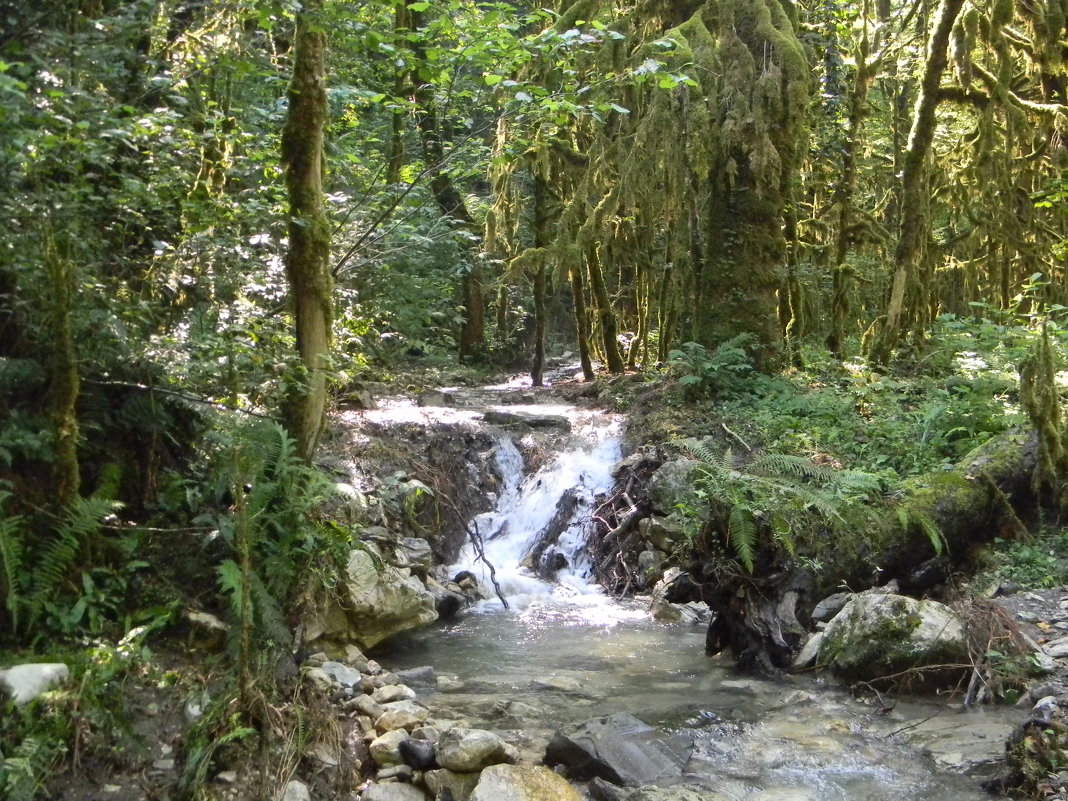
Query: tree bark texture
[
  {"x": 308, "y": 258},
  {"x": 913, "y": 228},
  {"x": 63, "y": 376}
]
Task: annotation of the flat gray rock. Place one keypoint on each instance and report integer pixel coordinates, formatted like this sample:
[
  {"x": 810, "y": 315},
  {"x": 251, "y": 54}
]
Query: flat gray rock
[
  {"x": 530, "y": 419},
  {"x": 621, "y": 749}
]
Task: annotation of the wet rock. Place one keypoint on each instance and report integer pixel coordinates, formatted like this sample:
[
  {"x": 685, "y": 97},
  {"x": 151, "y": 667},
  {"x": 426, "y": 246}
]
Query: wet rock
[
  {"x": 465, "y": 750},
  {"x": 515, "y": 783},
  {"x": 646, "y": 456},
  {"x": 606, "y": 791},
  {"x": 385, "y": 750},
  {"x": 393, "y": 791},
  {"x": 621, "y": 749},
  {"x": 419, "y": 678},
  {"x": 1058, "y": 648},
  {"x": 355, "y": 658},
  {"x": 830, "y": 606},
  {"x": 23, "y": 683},
  {"x": 419, "y": 754},
  {"x": 459, "y": 785},
  {"x": 428, "y": 733},
  {"x": 522, "y": 418},
  {"x": 877, "y": 635},
  {"x": 433, "y": 397},
  {"x": 807, "y": 657},
  {"x": 296, "y": 791},
  {"x": 560, "y": 684}
]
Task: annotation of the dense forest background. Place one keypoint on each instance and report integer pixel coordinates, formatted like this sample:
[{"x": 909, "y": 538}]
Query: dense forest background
[{"x": 221, "y": 216}]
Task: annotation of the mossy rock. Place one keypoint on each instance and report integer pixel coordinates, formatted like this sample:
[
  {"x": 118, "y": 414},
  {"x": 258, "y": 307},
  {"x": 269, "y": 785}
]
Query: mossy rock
[{"x": 895, "y": 640}]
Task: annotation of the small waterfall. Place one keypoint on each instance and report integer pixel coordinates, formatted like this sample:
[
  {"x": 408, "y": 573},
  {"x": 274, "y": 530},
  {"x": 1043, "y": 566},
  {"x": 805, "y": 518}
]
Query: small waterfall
[{"x": 542, "y": 519}]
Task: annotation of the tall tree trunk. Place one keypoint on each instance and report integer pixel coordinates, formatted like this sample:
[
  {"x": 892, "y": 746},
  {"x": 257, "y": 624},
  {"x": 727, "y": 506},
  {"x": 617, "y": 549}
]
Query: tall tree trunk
[
  {"x": 541, "y": 240},
  {"x": 913, "y": 203},
  {"x": 451, "y": 203},
  {"x": 842, "y": 277},
  {"x": 308, "y": 257},
  {"x": 605, "y": 313},
  {"x": 582, "y": 323}
]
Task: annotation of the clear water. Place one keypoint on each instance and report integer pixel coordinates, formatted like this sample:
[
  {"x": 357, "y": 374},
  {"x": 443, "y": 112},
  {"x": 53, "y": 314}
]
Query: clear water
[{"x": 564, "y": 653}]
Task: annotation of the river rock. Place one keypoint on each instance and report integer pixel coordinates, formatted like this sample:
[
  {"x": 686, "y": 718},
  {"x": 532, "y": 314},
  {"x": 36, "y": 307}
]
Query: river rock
[
  {"x": 460, "y": 785},
  {"x": 521, "y": 418},
  {"x": 401, "y": 715},
  {"x": 809, "y": 653},
  {"x": 385, "y": 750},
  {"x": 876, "y": 635},
  {"x": 389, "y": 693},
  {"x": 516, "y": 783},
  {"x": 23, "y": 683},
  {"x": 318, "y": 679},
  {"x": 621, "y": 749},
  {"x": 342, "y": 674},
  {"x": 420, "y": 754},
  {"x": 419, "y": 678},
  {"x": 663, "y": 533},
  {"x": 376, "y": 600},
  {"x": 393, "y": 791},
  {"x": 464, "y": 750},
  {"x": 830, "y": 606}
]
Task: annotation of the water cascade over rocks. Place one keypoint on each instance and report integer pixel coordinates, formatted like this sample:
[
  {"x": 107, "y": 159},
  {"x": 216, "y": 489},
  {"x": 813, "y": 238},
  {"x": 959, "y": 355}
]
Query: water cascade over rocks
[{"x": 619, "y": 705}]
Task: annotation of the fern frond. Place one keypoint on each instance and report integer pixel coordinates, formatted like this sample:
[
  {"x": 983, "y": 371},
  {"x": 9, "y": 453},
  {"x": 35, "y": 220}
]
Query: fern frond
[
  {"x": 269, "y": 613},
  {"x": 742, "y": 533},
  {"x": 230, "y": 583},
  {"x": 11, "y": 534},
  {"x": 80, "y": 522}
]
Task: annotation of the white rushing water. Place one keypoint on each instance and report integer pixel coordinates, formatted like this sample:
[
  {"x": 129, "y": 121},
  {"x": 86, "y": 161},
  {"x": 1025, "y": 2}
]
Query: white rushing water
[{"x": 528, "y": 505}]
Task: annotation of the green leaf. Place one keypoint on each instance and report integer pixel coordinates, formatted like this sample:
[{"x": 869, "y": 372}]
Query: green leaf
[
  {"x": 620, "y": 109},
  {"x": 418, "y": 6},
  {"x": 492, "y": 80}
]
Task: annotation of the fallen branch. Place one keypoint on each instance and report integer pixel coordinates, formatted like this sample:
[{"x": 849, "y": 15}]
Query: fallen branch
[{"x": 480, "y": 555}]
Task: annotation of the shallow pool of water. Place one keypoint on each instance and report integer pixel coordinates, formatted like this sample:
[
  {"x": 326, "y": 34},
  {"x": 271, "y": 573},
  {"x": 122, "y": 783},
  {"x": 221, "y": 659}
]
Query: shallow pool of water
[{"x": 531, "y": 671}]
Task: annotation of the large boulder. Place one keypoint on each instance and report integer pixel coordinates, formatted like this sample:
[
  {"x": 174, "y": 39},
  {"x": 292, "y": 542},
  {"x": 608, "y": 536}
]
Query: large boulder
[
  {"x": 621, "y": 749},
  {"x": 672, "y": 484},
  {"x": 515, "y": 783},
  {"x": 375, "y": 600},
  {"x": 880, "y": 636}
]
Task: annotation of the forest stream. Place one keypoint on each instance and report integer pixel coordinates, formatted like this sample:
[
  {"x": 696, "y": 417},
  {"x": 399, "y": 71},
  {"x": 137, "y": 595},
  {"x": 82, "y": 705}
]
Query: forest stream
[{"x": 563, "y": 652}]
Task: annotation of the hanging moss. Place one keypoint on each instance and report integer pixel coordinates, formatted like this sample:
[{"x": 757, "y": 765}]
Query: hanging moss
[{"x": 1038, "y": 394}]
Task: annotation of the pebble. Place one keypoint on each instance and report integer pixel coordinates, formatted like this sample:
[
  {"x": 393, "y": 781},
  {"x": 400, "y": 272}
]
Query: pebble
[{"x": 163, "y": 764}]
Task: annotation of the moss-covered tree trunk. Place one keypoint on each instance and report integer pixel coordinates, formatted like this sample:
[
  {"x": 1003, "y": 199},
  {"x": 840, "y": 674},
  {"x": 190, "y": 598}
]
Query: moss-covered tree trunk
[
  {"x": 540, "y": 279},
  {"x": 759, "y": 617},
  {"x": 606, "y": 314},
  {"x": 308, "y": 258},
  {"x": 842, "y": 276},
  {"x": 913, "y": 231},
  {"x": 582, "y": 323}
]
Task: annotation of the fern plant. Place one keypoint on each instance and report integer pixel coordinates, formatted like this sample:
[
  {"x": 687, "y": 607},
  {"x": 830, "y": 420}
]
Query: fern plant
[
  {"x": 712, "y": 373},
  {"x": 12, "y": 578},
  {"x": 776, "y": 493}
]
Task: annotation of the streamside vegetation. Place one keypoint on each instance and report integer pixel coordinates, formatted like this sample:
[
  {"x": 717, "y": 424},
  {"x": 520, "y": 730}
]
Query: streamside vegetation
[{"x": 817, "y": 246}]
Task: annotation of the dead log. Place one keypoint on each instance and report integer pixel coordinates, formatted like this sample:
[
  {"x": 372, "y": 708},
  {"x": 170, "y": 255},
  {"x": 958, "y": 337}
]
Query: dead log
[{"x": 759, "y": 616}]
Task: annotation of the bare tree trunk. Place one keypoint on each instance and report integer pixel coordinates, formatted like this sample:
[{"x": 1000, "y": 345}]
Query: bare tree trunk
[
  {"x": 913, "y": 203},
  {"x": 308, "y": 257}
]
